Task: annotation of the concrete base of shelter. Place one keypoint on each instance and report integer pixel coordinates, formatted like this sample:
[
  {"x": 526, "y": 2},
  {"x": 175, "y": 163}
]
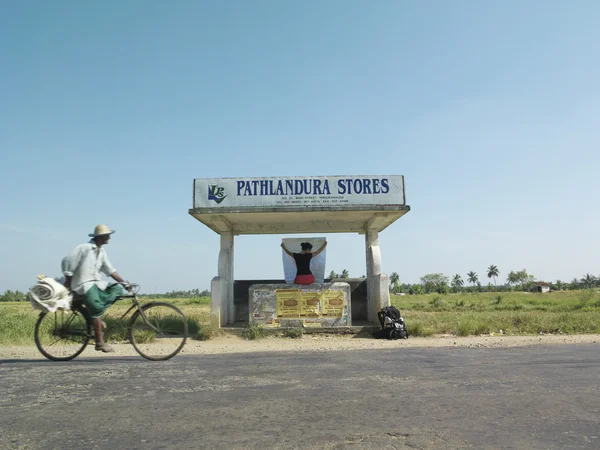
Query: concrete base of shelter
[{"x": 359, "y": 327}]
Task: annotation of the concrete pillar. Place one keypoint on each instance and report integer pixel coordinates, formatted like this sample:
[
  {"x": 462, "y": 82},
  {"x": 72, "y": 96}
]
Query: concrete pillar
[
  {"x": 215, "y": 302},
  {"x": 384, "y": 291},
  {"x": 227, "y": 312},
  {"x": 373, "y": 274}
]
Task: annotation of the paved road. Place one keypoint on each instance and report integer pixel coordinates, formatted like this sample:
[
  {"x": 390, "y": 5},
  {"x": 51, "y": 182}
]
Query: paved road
[{"x": 531, "y": 397}]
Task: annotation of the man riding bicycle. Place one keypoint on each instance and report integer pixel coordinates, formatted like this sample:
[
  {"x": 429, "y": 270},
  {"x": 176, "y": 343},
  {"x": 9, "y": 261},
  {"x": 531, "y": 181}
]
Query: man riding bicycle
[{"x": 82, "y": 268}]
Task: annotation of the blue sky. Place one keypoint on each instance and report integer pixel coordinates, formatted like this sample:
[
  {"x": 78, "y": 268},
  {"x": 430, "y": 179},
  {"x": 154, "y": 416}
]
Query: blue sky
[{"x": 490, "y": 110}]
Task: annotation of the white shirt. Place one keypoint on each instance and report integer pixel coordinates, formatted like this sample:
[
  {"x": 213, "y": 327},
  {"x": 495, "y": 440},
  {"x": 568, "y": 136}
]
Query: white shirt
[{"x": 84, "y": 264}]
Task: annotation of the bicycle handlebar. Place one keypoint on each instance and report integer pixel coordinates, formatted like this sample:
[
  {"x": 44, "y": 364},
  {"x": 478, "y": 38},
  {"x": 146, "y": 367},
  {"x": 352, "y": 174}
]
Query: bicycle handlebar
[{"x": 131, "y": 287}]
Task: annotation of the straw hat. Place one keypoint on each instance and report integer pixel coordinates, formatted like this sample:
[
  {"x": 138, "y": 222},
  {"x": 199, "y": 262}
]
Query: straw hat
[{"x": 101, "y": 230}]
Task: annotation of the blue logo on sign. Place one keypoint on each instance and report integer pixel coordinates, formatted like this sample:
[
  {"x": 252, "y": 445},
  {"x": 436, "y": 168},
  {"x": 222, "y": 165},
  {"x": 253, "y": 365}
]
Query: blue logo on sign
[{"x": 216, "y": 193}]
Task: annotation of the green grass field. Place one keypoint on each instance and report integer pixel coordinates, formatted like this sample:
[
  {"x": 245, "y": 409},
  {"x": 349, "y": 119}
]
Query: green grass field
[
  {"x": 566, "y": 312},
  {"x": 17, "y": 320}
]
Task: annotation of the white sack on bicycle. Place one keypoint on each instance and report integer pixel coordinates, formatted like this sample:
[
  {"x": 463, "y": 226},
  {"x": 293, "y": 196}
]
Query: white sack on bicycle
[{"x": 50, "y": 296}]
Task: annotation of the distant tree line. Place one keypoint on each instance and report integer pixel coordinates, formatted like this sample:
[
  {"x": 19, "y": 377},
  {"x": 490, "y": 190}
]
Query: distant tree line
[
  {"x": 192, "y": 293},
  {"x": 343, "y": 274},
  {"x": 519, "y": 280},
  {"x": 18, "y": 296},
  {"x": 439, "y": 283},
  {"x": 13, "y": 296}
]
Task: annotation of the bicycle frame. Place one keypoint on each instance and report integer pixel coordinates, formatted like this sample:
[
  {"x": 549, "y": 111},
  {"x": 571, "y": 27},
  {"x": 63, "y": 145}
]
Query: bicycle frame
[
  {"x": 64, "y": 327},
  {"x": 136, "y": 305},
  {"x": 60, "y": 326}
]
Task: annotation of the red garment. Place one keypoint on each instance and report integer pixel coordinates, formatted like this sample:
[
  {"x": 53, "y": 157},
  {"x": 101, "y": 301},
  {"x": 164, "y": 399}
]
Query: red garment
[{"x": 305, "y": 279}]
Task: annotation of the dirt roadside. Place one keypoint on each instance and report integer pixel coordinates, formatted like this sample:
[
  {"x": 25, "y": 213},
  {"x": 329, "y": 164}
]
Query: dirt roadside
[{"x": 324, "y": 343}]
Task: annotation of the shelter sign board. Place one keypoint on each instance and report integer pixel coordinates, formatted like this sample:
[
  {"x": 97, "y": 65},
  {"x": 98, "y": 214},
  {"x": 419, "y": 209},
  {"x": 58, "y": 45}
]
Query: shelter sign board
[{"x": 294, "y": 192}]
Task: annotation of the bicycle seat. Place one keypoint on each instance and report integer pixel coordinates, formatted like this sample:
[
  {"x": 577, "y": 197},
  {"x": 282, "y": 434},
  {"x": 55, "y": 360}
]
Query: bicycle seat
[{"x": 77, "y": 300}]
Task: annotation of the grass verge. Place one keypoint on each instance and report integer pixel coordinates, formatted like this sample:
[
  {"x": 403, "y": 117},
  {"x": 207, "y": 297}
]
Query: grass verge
[
  {"x": 207, "y": 331},
  {"x": 253, "y": 332},
  {"x": 516, "y": 313},
  {"x": 293, "y": 333},
  {"x": 567, "y": 312},
  {"x": 17, "y": 320}
]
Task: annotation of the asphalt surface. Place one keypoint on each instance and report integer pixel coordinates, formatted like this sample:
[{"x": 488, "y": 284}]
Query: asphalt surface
[{"x": 526, "y": 398}]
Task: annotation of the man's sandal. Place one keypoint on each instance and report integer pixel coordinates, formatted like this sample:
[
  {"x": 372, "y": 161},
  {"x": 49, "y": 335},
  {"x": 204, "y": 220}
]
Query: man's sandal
[{"x": 104, "y": 347}]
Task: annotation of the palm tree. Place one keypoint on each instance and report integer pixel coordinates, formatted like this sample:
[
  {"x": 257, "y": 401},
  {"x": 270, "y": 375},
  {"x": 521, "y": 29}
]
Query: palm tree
[
  {"x": 332, "y": 275},
  {"x": 575, "y": 284},
  {"x": 394, "y": 282},
  {"x": 345, "y": 274},
  {"x": 493, "y": 272},
  {"x": 559, "y": 285},
  {"x": 588, "y": 281},
  {"x": 512, "y": 278},
  {"x": 457, "y": 282},
  {"x": 472, "y": 277}
]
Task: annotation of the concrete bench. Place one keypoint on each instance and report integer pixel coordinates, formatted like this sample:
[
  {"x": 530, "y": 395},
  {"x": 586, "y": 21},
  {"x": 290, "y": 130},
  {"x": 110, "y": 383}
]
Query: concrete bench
[{"x": 293, "y": 305}]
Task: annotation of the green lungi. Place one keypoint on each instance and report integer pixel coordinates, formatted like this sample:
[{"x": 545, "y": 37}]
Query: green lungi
[{"x": 97, "y": 301}]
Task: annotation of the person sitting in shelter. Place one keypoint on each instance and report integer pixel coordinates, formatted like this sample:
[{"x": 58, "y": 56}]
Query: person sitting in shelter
[{"x": 303, "y": 273}]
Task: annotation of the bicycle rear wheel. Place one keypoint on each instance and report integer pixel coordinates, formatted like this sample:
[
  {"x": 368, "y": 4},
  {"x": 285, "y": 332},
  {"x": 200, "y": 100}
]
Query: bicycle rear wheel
[
  {"x": 159, "y": 332},
  {"x": 62, "y": 335}
]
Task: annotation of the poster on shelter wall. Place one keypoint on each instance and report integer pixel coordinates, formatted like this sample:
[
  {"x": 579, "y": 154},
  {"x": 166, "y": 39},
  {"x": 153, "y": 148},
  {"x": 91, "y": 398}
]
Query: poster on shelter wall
[
  {"x": 310, "y": 304},
  {"x": 288, "y": 303},
  {"x": 333, "y": 304},
  {"x": 317, "y": 264}
]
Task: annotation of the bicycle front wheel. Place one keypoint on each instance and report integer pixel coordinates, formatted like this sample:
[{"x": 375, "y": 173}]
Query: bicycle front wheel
[
  {"x": 158, "y": 331},
  {"x": 62, "y": 335}
]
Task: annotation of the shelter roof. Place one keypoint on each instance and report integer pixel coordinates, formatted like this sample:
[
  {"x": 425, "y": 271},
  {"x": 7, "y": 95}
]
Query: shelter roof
[
  {"x": 299, "y": 220},
  {"x": 284, "y": 205}
]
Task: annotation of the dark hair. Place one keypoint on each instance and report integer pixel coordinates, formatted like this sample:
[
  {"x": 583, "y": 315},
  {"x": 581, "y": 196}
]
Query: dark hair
[{"x": 306, "y": 246}]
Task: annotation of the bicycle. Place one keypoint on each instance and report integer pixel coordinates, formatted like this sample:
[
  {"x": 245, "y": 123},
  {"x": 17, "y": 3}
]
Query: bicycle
[{"x": 157, "y": 330}]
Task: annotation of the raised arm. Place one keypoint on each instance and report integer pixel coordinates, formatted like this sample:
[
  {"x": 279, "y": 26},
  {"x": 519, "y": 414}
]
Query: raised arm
[
  {"x": 286, "y": 250},
  {"x": 320, "y": 250}
]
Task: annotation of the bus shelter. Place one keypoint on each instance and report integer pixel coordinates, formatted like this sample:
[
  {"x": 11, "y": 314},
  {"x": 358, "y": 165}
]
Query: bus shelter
[{"x": 231, "y": 207}]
